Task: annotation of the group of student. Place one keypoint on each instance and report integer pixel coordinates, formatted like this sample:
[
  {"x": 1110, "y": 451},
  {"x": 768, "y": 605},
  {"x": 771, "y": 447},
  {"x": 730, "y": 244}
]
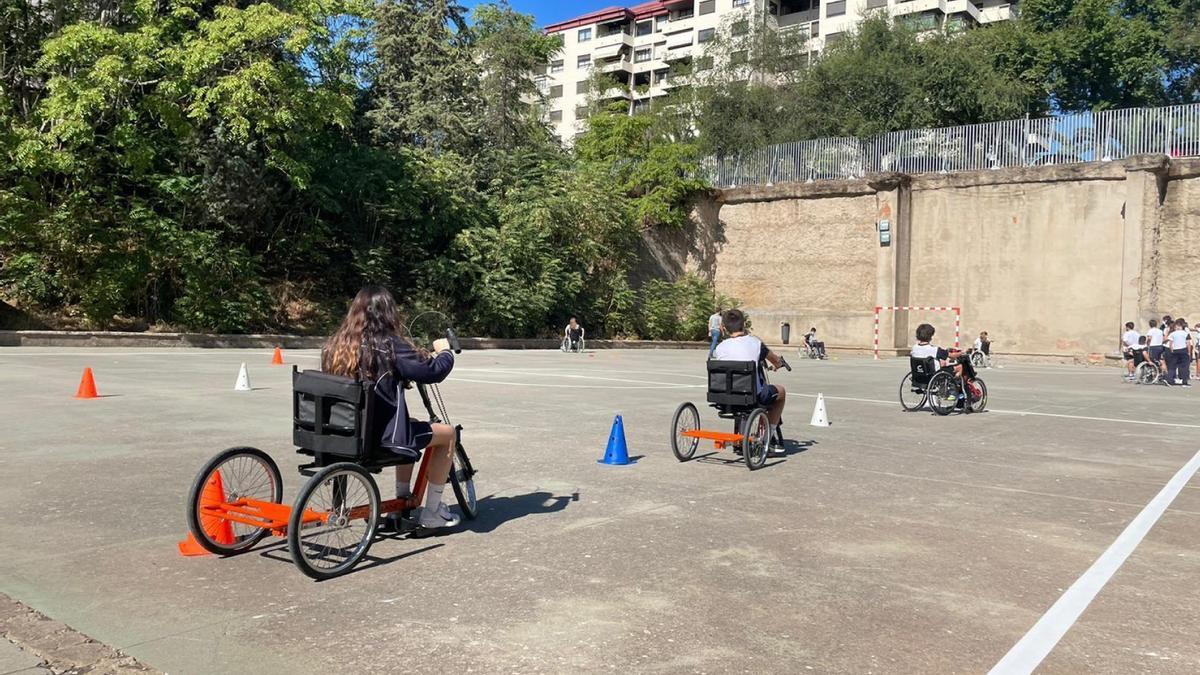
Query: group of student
[{"x": 1169, "y": 345}]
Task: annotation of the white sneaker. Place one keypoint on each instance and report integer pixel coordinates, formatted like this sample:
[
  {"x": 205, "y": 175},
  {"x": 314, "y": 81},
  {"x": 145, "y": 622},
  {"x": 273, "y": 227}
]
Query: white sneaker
[
  {"x": 440, "y": 517},
  {"x": 1178, "y": 381}
]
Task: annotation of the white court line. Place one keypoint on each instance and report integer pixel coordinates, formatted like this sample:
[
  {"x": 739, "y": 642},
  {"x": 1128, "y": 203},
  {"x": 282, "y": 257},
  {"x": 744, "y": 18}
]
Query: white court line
[
  {"x": 660, "y": 385},
  {"x": 1031, "y": 649},
  {"x": 106, "y": 352},
  {"x": 1021, "y": 413},
  {"x": 558, "y": 374}
]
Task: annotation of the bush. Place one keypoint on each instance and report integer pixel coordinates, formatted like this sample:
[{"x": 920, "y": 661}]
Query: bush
[{"x": 679, "y": 310}]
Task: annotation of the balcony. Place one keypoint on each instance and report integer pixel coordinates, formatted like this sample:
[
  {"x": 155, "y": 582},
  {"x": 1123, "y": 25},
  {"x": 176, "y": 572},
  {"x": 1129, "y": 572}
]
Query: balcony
[
  {"x": 677, "y": 54},
  {"x": 903, "y": 7},
  {"x": 680, "y": 40},
  {"x": 678, "y": 25},
  {"x": 963, "y": 6},
  {"x": 612, "y": 40},
  {"x": 616, "y": 93},
  {"x": 615, "y": 66}
]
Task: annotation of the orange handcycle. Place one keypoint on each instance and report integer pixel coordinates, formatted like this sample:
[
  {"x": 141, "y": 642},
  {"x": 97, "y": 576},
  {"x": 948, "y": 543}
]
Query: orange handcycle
[
  {"x": 236, "y": 499},
  {"x": 733, "y": 389}
]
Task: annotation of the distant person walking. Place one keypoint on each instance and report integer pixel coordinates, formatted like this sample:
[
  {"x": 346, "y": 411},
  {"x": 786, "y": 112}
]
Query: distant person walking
[{"x": 714, "y": 331}]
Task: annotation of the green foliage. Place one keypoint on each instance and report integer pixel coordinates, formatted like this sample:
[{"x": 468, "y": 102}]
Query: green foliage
[{"x": 679, "y": 310}]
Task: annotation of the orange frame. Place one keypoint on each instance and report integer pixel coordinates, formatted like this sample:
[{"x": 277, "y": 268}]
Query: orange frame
[
  {"x": 275, "y": 517},
  {"x": 720, "y": 439}
]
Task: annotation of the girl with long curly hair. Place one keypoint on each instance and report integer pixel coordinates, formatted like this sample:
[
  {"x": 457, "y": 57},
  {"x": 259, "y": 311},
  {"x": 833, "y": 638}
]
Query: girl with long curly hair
[{"x": 370, "y": 347}]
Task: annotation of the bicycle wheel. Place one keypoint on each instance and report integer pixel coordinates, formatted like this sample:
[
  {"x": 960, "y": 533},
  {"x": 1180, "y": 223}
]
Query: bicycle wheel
[
  {"x": 566, "y": 344},
  {"x": 978, "y": 395},
  {"x": 333, "y": 520},
  {"x": 912, "y": 397},
  {"x": 1146, "y": 373},
  {"x": 756, "y": 438},
  {"x": 239, "y": 473},
  {"x": 978, "y": 359},
  {"x": 462, "y": 481},
  {"x": 686, "y": 418},
  {"x": 943, "y": 393}
]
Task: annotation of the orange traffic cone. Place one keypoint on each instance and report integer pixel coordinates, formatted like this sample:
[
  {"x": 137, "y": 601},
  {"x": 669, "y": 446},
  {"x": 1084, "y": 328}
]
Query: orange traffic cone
[
  {"x": 217, "y": 529},
  {"x": 277, "y": 359},
  {"x": 87, "y": 385}
]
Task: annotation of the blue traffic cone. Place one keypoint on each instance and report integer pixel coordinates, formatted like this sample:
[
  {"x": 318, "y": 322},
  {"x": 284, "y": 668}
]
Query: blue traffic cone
[{"x": 616, "y": 454}]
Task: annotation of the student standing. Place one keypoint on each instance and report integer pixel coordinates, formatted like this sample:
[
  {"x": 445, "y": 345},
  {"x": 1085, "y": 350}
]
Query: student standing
[
  {"x": 1129, "y": 340},
  {"x": 1154, "y": 345},
  {"x": 1179, "y": 360},
  {"x": 714, "y": 331}
]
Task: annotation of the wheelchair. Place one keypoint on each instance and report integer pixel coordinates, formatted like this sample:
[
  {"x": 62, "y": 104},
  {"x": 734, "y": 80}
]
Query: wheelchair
[
  {"x": 733, "y": 390},
  {"x": 808, "y": 351},
  {"x": 236, "y": 499},
  {"x": 1147, "y": 372},
  {"x": 926, "y": 383},
  {"x": 979, "y": 359},
  {"x": 566, "y": 346}
]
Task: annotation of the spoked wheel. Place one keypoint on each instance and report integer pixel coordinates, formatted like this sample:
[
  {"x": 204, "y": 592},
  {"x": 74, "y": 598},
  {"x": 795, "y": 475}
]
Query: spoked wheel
[
  {"x": 566, "y": 345},
  {"x": 978, "y": 395},
  {"x": 462, "y": 480},
  {"x": 233, "y": 474},
  {"x": 912, "y": 397},
  {"x": 1146, "y": 373},
  {"x": 580, "y": 349},
  {"x": 756, "y": 438},
  {"x": 943, "y": 393},
  {"x": 686, "y": 419},
  {"x": 979, "y": 359},
  {"x": 333, "y": 520}
]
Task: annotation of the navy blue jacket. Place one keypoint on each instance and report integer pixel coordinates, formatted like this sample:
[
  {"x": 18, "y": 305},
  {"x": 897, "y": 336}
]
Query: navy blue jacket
[{"x": 407, "y": 366}]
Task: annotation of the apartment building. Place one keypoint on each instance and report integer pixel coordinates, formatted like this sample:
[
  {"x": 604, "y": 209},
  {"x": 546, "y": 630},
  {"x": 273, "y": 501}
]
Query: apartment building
[{"x": 637, "y": 46}]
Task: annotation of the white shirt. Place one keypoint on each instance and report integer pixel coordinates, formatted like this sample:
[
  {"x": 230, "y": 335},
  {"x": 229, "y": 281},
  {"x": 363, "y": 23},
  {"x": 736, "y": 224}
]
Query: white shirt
[
  {"x": 714, "y": 322},
  {"x": 979, "y": 344},
  {"x": 1155, "y": 336},
  {"x": 742, "y": 348},
  {"x": 1130, "y": 338},
  {"x": 1179, "y": 339},
  {"x": 921, "y": 351}
]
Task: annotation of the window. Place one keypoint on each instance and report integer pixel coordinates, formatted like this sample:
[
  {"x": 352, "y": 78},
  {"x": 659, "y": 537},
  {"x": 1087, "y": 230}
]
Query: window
[
  {"x": 739, "y": 58},
  {"x": 835, "y": 8},
  {"x": 584, "y": 61},
  {"x": 661, "y": 75},
  {"x": 876, "y": 4},
  {"x": 555, "y": 115},
  {"x": 645, "y": 28},
  {"x": 581, "y": 87},
  {"x": 833, "y": 39},
  {"x": 740, "y": 3},
  {"x": 705, "y": 35},
  {"x": 581, "y": 112},
  {"x": 556, "y": 66},
  {"x": 740, "y": 27},
  {"x": 707, "y": 7},
  {"x": 642, "y": 55},
  {"x": 556, "y": 91},
  {"x": 705, "y": 63},
  {"x": 584, "y": 35}
]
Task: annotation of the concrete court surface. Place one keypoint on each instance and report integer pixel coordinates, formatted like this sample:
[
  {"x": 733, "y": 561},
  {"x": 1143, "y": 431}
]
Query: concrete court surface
[{"x": 891, "y": 542}]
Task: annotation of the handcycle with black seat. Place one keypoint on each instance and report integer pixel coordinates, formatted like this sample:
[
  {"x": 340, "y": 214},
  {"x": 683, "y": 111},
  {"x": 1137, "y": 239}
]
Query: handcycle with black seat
[
  {"x": 236, "y": 499},
  {"x": 940, "y": 387},
  {"x": 733, "y": 390}
]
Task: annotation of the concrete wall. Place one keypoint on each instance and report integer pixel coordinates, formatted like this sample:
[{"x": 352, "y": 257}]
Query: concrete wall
[{"x": 1049, "y": 260}]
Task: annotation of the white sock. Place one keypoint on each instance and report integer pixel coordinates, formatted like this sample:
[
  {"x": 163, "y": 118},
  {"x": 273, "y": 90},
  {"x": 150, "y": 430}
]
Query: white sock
[{"x": 433, "y": 496}]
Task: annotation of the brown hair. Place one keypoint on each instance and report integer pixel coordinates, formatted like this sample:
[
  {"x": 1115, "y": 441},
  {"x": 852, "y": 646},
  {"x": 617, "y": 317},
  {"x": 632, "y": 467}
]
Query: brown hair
[{"x": 360, "y": 348}]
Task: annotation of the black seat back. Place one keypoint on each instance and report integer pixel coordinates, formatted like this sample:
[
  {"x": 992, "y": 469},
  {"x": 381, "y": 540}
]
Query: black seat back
[
  {"x": 733, "y": 383},
  {"x": 922, "y": 369},
  {"x": 331, "y": 415}
]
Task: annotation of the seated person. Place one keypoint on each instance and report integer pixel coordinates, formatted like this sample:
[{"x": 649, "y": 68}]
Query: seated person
[
  {"x": 925, "y": 348},
  {"x": 983, "y": 344},
  {"x": 813, "y": 343},
  {"x": 573, "y": 333},
  {"x": 368, "y": 347},
  {"x": 1141, "y": 351},
  {"x": 740, "y": 346}
]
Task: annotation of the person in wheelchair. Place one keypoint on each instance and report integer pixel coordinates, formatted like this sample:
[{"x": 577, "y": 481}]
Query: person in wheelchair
[
  {"x": 741, "y": 346},
  {"x": 953, "y": 360},
  {"x": 573, "y": 333},
  {"x": 368, "y": 346},
  {"x": 814, "y": 345}
]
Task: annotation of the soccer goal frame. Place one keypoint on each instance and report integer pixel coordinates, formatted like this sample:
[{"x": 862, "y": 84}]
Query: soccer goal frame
[{"x": 957, "y": 320}]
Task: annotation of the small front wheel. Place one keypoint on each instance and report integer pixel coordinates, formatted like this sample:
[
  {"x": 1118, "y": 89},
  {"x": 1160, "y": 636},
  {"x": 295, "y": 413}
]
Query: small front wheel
[
  {"x": 756, "y": 439},
  {"x": 333, "y": 521},
  {"x": 685, "y": 419},
  {"x": 462, "y": 481},
  {"x": 912, "y": 397},
  {"x": 943, "y": 393},
  {"x": 232, "y": 475}
]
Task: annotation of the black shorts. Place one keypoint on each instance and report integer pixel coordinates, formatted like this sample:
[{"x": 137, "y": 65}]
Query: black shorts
[
  {"x": 420, "y": 433},
  {"x": 767, "y": 397},
  {"x": 1156, "y": 353},
  {"x": 1129, "y": 355}
]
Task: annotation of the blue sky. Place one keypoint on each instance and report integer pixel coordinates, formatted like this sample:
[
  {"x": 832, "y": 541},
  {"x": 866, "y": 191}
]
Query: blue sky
[{"x": 553, "y": 11}]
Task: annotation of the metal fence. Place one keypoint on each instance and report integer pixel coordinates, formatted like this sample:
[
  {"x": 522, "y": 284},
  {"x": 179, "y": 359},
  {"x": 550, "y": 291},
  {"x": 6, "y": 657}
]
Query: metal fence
[{"x": 1082, "y": 137}]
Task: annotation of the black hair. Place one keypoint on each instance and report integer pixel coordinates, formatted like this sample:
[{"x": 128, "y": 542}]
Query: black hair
[
  {"x": 734, "y": 320},
  {"x": 1154, "y": 323},
  {"x": 813, "y": 329},
  {"x": 1129, "y": 325},
  {"x": 925, "y": 332}
]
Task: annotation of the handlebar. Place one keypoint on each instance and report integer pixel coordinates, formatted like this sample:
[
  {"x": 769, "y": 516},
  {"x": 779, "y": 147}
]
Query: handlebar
[
  {"x": 783, "y": 362},
  {"x": 452, "y": 338}
]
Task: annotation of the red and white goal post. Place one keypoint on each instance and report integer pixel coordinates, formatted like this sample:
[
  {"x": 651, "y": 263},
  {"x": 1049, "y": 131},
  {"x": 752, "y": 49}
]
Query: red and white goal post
[{"x": 957, "y": 320}]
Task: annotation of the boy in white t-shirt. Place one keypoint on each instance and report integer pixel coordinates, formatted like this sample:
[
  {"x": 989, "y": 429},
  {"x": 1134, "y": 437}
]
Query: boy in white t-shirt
[
  {"x": 1154, "y": 345},
  {"x": 1179, "y": 342},
  {"x": 1129, "y": 340},
  {"x": 926, "y": 349},
  {"x": 740, "y": 346}
]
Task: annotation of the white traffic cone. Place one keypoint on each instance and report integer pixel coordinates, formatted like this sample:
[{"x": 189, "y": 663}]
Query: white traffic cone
[
  {"x": 820, "y": 418},
  {"x": 243, "y": 381}
]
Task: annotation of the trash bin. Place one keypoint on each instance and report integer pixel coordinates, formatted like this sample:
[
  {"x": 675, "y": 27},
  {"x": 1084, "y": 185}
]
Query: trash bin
[{"x": 785, "y": 331}]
